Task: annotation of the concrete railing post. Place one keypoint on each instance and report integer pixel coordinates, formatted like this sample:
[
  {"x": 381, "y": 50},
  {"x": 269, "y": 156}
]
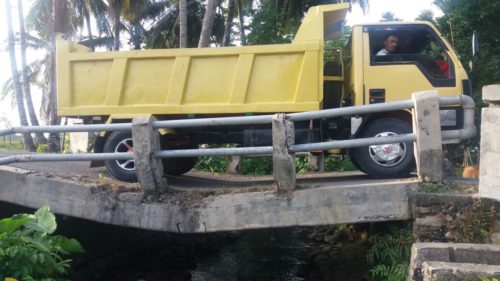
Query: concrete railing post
[
  {"x": 283, "y": 160},
  {"x": 149, "y": 170},
  {"x": 427, "y": 129},
  {"x": 489, "y": 177}
]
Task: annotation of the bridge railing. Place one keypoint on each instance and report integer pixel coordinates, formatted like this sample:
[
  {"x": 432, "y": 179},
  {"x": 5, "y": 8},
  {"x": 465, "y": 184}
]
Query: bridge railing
[{"x": 147, "y": 154}]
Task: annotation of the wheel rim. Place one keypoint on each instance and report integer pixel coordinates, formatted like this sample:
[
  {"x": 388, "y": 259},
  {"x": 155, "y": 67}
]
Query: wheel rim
[
  {"x": 126, "y": 145},
  {"x": 387, "y": 155}
]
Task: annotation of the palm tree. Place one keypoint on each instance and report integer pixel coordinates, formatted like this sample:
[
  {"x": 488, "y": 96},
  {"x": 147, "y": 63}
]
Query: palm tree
[
  {"x": 241, "y": 20},
  {"x": 115, "y": 8},
  {"x": 183, "y": 24},
  {"x": 229, "y": 23},
  {"x": 208, "y": 22},
  {"x": 28, "y": 141},
  {"x": 40, "y": 138}
]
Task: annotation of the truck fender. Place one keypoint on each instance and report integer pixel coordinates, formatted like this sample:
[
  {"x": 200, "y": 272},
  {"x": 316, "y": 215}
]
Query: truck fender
[{"x": 359, "y": 125}]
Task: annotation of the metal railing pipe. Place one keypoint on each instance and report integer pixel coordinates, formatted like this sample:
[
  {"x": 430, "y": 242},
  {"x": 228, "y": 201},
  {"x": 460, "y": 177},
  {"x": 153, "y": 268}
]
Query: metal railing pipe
[
  {"x": 240, "y": 151},
  {"x": 220, "y": 121},
  {"x": 351, "y": 110},
  {"x": 67, "y": 128},
  {"x": 65, "y": 157}
]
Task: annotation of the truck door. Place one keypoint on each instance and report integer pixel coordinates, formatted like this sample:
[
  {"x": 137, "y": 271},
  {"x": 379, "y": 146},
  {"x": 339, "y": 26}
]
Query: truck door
[{"x": 419, "y": 62}]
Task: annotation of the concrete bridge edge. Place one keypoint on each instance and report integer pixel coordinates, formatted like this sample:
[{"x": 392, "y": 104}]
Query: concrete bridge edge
[{"x": 226, "y": 212}]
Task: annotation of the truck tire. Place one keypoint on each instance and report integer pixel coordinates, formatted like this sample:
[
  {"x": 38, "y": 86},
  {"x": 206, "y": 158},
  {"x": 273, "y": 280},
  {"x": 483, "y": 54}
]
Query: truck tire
[
  {"x": 387, "y": 160},
  {"x": 124, "y": 170}
]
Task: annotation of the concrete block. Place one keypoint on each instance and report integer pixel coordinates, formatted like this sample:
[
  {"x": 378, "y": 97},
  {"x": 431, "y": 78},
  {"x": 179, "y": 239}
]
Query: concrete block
[
  {"x": 283, "y": 159},
  {"x": 445, "y": 271},
  {"x": 491, "y": 94},
  {"x": 427, "y": 129},
  {"x": 489, "y": 177},
  {"x": 149, "y": 170},
  {"x": 486, "y": 254}
]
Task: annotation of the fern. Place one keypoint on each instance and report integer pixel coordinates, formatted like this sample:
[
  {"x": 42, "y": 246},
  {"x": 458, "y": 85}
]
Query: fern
[{"x": 390, "y": 255}]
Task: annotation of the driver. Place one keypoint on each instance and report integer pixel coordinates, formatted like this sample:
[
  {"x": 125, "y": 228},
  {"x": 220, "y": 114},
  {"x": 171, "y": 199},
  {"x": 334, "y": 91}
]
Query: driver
[{"x": 391, "y": 42}]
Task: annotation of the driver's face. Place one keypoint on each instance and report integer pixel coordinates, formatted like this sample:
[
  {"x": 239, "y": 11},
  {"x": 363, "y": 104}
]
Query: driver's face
[{"x": 391, "y": 43}]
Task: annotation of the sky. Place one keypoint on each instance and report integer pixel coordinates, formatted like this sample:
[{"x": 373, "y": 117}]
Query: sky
[{"x": 403, "y": 9}]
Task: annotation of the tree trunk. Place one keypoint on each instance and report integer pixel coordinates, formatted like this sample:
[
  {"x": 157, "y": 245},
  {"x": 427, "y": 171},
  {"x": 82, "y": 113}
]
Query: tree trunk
[
  {"x": 28, "y": 141},
  {"x": 229, "y": 23},
  {"x": 59, "y": 10},
  {"x": 182, "y": 23},
  {"x": 208, "y": 22},
  {"x": 40, "y": 138},
  {"x": 117, "y": 10},
  {"x": 243, "y": 38},
  {"x": 89, "y": 26}
]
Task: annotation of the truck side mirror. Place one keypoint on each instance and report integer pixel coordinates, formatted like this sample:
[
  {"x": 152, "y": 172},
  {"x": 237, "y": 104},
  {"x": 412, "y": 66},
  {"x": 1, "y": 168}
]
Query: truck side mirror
[{"x": 475, "y": 44}]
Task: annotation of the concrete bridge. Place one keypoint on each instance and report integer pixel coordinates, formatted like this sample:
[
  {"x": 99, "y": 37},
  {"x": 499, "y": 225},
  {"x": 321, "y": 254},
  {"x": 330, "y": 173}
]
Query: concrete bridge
[{"x": 203, "y": 202}]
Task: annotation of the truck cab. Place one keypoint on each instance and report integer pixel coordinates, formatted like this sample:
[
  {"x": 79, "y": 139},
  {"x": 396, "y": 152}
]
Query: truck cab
[{"x": 423, "y": 60}]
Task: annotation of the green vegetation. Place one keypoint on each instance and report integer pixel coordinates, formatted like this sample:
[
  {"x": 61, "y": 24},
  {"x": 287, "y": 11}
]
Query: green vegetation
[
  {"x": 429, "y": 187},
  {"x": 389, "y": 255},
  {"x": 29, "y": 251},
  {"x": 264, "y": 165},
  {"x": 11, "y": 145},
  {"x": 483, "y": 278}
]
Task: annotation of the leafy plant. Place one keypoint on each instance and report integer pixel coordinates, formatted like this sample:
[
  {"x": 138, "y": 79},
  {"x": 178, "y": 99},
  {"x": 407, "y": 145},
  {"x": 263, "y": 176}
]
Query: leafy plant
[
  {"x": 29, "y": 251},
  {"x": 256, "y": 166},
  {"x": 214, "y": 164},
  {"x": 339, "y": 165},
  {"x": 42, "y": 147},
  {"x": 390, "y": 255}
]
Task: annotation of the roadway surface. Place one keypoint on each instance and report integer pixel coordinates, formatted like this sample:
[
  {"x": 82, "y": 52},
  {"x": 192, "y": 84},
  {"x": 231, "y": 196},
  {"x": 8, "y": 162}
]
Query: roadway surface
[{"x": 202, "y": 180}]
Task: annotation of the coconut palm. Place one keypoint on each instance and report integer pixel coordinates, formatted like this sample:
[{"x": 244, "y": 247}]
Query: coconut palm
[
  {"x": 229, "y": 23},
  {"x": 40, "y": 138},
  {"x": 208, "y": 22},
  {"x": 183, "y": 24},
  {"x": 28, "y": 141},
  {"x": 129, "y": 10}
]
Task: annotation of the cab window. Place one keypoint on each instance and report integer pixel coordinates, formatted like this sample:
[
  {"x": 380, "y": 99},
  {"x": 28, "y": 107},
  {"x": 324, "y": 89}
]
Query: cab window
[{"x": 416, "y": 45}]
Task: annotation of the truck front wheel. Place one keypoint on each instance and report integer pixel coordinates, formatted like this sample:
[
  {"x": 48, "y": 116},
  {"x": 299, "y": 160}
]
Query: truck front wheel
[{"x": 386, "y": 160}]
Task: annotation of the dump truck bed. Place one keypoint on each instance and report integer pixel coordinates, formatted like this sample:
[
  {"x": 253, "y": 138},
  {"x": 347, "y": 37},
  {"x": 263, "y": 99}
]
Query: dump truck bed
[
  {"x": 274, "y": 78},
  {"x": 231, "y": 80}
]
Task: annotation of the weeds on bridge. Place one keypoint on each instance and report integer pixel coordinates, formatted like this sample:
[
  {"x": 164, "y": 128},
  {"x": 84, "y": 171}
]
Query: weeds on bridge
[
  {"x": 264, "y": 165},
  {"x": 29, "y": 251}
]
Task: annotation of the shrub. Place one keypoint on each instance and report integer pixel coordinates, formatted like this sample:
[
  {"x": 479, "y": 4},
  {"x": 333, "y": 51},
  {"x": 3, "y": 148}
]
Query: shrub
[{"x": 29, "y": 251}]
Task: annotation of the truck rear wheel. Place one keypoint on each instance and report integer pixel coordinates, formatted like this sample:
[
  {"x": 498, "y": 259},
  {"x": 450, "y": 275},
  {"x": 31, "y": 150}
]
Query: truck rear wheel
[
  {"x": 386, "y": 160},
  {"x": 124, "y": 170}
]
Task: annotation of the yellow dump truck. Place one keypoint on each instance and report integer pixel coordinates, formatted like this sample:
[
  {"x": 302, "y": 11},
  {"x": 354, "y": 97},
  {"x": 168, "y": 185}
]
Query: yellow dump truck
[{"x": 250, "y": 80}]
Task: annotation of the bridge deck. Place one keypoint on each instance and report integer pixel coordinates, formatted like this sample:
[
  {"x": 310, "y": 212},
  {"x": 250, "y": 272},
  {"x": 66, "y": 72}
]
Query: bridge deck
[{"x": 204, "y": 202}]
